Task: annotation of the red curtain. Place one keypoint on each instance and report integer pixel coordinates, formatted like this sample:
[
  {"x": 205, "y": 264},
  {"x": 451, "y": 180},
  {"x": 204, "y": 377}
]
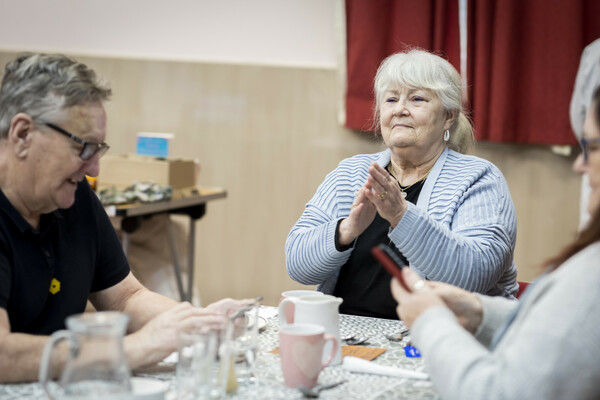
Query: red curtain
[
  {"x": 376, "y": 29},
  {"x": 522, "y": 58}
]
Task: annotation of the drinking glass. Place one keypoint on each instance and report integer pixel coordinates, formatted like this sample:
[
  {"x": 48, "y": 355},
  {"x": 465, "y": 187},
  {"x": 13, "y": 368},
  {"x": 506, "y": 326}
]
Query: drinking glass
[
  {"x": 203, "y": 367},
  {"x": 244, "y": 344}
]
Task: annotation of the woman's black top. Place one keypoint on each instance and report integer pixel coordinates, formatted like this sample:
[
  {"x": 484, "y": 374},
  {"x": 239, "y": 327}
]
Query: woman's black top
[{"x": 363, "y": 283}]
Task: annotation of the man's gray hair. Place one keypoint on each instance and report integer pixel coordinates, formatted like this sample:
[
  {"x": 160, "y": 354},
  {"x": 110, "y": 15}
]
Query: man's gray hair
[{"x": 43, "y": 85}]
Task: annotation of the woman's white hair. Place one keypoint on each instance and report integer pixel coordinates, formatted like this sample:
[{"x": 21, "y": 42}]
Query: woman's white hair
[{"x": 424, "y": 70}]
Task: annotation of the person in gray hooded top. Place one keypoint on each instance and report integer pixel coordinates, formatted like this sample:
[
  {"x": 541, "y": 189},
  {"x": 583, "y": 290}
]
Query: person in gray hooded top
[{"x": 544, "y": 346}]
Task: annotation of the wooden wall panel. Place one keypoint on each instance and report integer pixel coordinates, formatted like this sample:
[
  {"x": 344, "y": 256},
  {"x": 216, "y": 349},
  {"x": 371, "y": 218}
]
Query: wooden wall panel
[
  {"x": 269, "y": 135},
  {"x": 546, "y": 195}
]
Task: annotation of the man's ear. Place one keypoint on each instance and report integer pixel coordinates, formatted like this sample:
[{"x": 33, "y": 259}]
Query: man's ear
[{"x": 20, "y": 133}]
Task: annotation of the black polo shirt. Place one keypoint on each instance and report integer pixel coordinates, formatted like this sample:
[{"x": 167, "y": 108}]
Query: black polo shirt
[{"x": 47, "y": 275}]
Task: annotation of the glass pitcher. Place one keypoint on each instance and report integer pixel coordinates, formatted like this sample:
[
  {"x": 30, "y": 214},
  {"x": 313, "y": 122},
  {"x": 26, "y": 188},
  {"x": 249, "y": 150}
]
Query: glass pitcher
[{"x": 96, "y": 364}]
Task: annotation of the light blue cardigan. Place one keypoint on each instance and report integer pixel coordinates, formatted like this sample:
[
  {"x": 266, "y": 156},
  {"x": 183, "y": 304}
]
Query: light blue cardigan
[{"x": 461, "y": 231}]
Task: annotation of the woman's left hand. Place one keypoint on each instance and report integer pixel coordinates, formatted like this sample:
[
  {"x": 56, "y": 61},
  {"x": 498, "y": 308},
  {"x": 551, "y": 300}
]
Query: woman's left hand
[
  {"x": 385, "y": 194},
  {"x": 414, "y": 297}
]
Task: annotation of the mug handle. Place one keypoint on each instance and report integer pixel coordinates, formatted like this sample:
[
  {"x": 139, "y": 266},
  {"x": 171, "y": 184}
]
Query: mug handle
[
  {"x": 287, "y": 309},
  {"x": 45, "y": 375},
  {"x": 334, "y": 349}
]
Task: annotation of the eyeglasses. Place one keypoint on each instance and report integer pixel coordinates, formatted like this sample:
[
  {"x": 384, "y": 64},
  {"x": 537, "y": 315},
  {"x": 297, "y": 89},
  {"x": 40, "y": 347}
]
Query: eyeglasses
[
  {"x": 88, "y": 150},
  {"x": 588, "y": 145}
]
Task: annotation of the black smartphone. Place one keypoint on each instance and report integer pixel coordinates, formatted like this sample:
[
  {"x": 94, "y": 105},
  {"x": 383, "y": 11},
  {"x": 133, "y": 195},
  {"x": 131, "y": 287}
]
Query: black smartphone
[{"x": 390, "y": 260}]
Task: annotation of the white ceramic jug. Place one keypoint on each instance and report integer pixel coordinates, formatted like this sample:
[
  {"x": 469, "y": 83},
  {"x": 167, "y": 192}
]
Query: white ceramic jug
[{"x": 321, "y": 310}]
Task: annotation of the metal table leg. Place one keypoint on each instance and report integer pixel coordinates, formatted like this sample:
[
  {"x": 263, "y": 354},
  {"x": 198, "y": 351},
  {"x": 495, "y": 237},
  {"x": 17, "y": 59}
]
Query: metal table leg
[
  {"x": 131, "y": 224},
  {"x": 178, "y": 274}
]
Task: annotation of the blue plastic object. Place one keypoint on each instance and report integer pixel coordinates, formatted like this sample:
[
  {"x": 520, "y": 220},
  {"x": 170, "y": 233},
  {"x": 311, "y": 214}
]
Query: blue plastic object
[
  {"x": 152, "y": 146},
  {"x": 412, "y": 352}
]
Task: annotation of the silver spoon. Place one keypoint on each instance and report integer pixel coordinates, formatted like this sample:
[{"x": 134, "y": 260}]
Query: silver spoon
[
  {"x": 313, "y": 393},
  {"x": 397, "y": 337},
  {"x": 245, "y": 308},
  {"x": 353, "y": 341},
  {"x": 394, "y": 337}
]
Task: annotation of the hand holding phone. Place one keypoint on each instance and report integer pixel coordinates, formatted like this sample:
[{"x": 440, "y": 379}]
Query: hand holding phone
[{"x": 391, "y": 261}]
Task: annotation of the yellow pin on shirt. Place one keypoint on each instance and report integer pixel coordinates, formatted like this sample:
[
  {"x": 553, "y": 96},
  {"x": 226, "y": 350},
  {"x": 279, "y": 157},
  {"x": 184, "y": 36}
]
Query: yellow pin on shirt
[{"x": 54, "y": 286}]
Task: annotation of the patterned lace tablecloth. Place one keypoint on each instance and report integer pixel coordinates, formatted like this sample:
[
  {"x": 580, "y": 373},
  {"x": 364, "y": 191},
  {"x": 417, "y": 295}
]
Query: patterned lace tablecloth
[{"x": 270, "y": 385}]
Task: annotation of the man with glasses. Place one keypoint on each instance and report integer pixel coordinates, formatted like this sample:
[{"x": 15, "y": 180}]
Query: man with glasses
[{"x": 57, "y": 246}]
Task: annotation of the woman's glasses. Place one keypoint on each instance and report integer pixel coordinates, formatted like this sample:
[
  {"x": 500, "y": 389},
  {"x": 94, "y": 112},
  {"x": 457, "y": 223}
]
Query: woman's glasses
[{"x": 588, "y": 145}]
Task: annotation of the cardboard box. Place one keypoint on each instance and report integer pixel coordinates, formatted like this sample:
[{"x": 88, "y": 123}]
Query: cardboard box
[{"x": 122, "y": 170}]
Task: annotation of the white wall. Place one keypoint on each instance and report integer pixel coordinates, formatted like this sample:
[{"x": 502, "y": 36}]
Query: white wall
[{"x": 269, "y": 32}]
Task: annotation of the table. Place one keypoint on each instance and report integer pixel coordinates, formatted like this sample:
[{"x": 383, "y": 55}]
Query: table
[
  {"x": 270, "y": 379},
  {"x": 192, "y": 205}
]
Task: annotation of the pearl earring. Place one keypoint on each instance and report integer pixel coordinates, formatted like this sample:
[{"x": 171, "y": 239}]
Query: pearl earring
[{"x": 446, "y": 135}]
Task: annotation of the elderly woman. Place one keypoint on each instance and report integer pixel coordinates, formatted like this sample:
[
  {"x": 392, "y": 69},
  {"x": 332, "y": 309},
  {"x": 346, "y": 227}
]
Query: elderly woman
[
  {"x": 543, "y": 347},
  {"x": 448, "y": 214}
]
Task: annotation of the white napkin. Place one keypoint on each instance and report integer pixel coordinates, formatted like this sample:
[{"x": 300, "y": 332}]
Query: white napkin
[
  {"x": 171, "y": 358},
  {"x": 355, "y": 364},
  {"x": 267, "y": 312}
]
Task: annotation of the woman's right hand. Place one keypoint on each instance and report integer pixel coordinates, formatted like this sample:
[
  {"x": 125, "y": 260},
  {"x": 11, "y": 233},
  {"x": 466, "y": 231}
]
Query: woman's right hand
[
  {"x": 465, "y": 305},
  {"x": 361, "y": 215}
]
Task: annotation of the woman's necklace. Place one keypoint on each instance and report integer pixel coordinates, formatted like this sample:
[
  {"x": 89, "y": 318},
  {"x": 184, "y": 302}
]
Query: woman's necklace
[{"x": 392, "y": 170}]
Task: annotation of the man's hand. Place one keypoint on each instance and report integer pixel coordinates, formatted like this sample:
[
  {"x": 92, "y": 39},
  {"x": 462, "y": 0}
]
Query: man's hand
[
  {"x": 158, "y": 338},
  {"x": 228, "y": 306}
]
